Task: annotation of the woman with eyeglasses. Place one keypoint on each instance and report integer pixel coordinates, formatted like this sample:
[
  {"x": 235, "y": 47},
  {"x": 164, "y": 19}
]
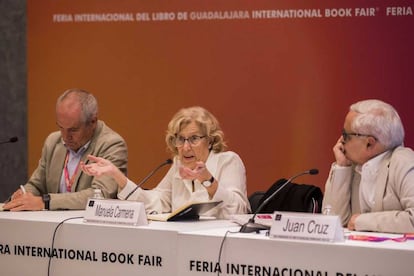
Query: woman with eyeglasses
[{"x": 201, "y": 171}]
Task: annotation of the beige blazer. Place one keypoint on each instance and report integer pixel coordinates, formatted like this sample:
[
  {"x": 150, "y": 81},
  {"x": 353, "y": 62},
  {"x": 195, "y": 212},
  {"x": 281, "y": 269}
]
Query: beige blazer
[
  {"x": 393, "y": 210},
  {"x": 45, "y": 179}
]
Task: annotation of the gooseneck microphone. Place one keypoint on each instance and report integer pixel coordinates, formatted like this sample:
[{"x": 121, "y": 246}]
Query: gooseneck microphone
[
  {"x": 251, "y": 226},
  {"x": 11, "y": 140},
  {"x": 168, "y": 161}
]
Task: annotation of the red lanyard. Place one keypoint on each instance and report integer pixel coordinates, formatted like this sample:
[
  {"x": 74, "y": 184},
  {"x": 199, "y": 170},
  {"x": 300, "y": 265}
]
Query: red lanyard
[{"x": 69, "y": 181}]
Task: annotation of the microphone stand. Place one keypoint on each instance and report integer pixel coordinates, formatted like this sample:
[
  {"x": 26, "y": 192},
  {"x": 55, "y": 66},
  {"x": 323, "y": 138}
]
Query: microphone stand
[
  {"x": 11, "y": 140},
  {"x": 251, "y": 225},
  {"x": 168, "y": 161}
]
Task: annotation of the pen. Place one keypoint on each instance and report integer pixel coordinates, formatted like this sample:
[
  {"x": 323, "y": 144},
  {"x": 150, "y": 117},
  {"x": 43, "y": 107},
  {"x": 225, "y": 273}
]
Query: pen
[{"x": 23, "y": 189}]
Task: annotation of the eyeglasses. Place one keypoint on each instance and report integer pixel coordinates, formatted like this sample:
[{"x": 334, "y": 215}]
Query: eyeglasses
[
  {"x": 194, "y": 140},
  {"x": 346, "y": 135}
]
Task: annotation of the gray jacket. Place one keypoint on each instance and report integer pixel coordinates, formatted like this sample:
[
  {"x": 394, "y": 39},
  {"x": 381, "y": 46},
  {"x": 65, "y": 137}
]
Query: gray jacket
[{"x": 46, "y": 178}]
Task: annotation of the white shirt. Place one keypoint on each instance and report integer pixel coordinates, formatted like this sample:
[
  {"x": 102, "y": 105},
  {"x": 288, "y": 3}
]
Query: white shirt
[
  {"x": 173, "y": 192},
  {"x": 367, "y": 186}
]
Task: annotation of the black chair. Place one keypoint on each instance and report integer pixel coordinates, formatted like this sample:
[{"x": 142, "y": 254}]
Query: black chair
[
  {"x": 292, "y": 198},
  {"x": 255, "y": 199}
]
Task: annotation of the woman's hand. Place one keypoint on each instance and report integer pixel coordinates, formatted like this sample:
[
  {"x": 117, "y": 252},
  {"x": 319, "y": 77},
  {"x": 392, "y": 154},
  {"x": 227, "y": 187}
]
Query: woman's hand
[
  {"x": 100, "y": 167},
  {"x": 200, "y": 172},
  {"x": 104, "y": 167}
]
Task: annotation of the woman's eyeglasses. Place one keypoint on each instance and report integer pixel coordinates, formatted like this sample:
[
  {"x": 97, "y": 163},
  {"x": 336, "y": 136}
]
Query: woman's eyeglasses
[{"x": 194, "y": 140}]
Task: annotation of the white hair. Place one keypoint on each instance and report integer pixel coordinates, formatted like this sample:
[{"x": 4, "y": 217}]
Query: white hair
[
  {"x": 87, "y": 101},
  {"x": 380, "y": 120}
]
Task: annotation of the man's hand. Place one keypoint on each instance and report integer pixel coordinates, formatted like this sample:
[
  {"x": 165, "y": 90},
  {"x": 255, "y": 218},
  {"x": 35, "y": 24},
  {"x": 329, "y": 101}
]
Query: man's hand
[
  {"x": 351, "y": 222},
  {"x": 25, "y": 202},
  {"x": 339, "y": 152}
]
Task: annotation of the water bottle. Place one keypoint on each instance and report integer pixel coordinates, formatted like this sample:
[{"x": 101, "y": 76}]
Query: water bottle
[
  {"x": 97, "y": 194},
  {"x": 327, "y": 210}
]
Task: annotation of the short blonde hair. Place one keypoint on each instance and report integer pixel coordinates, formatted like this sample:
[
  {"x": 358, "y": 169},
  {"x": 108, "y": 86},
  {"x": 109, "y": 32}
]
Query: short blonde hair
[{"x": 207, "y": 123}]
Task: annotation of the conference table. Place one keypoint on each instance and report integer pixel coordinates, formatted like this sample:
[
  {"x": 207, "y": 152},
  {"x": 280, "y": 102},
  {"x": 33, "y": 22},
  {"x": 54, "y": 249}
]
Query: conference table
[{"x": 62, "y": 243}]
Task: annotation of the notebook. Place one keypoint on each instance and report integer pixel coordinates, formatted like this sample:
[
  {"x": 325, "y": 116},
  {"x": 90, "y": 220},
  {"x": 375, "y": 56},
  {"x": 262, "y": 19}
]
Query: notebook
[{"x": 189, "y": 211}]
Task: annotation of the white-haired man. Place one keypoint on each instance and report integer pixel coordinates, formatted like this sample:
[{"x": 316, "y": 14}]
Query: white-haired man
[{"x": 371, "y": 184}]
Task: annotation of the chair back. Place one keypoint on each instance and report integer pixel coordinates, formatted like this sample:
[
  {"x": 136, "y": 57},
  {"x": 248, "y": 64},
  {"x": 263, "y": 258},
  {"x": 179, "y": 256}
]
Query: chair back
[
  {"x": 255, "y": 199},
  {"x": 293, "y": 198}
]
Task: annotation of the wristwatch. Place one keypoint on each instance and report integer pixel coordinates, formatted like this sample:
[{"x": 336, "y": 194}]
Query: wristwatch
[
  {"x": 207, "y": 183},
  {"x": 46, "y": 201}
]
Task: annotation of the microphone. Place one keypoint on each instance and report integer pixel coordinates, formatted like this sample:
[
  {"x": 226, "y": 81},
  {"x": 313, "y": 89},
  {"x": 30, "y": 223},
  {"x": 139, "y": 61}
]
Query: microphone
[
  {"x": 166, "y": 162},
  {"x": 11, "y": 140},
  {"x": 251, "y": 226}
]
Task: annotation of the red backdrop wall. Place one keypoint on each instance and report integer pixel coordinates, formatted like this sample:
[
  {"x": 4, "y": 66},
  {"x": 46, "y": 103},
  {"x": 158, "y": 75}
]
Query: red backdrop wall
[{"x": 280, "y": 86}]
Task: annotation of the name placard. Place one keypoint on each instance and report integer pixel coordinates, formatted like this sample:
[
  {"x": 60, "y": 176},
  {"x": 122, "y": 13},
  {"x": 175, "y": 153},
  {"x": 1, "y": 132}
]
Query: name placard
[
  {"x": 307, "y": 226},
  {"x": 115, "y": 211}
]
